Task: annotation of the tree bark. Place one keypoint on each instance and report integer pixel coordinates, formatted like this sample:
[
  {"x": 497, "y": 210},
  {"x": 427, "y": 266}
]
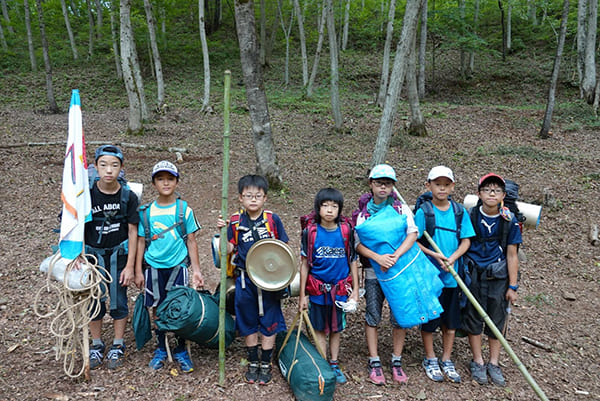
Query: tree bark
[
  {"x": 544, "y": 132},
  {"x": 115, "y": 43},
  {"x": 385, "y": 65},
  {"x": 588, "y": 84},
  {"x": 205, "y": 58},
  {"x": 501, "y": 7},
  {"x": 508, "y": 26},
  {"x": 346, "y": 23},
  {"x": 52, "y": 106},
  {"x": 160, "y": 83},
  {"x": 286, "y": 33},
  {"x": 300, "y": 18},
  {"x": 463, "y": 54},
  {"x": 263, "y": 33},
  {"x": 581, "y": 35},
  {"x": 99, "y": 18},
  {"x": 416, "y": 126},
  {"x": 7, "y": 17},
  {"x": 422, "y": 51},
  {"x": 475, "y": 30},
  {"x": 29, "y": 36},
  {"x": 403, "y": 49},
  {"x": 315, "y": 67},
  {"x": 135, "y": 92},
  {"x": 255, "y": 93},
  {"x": 3, "y": 38},
  {"x": 335, "y": 77},
  {"x": 532, "y": 11},
  {"x": 65, "y": 12},
  {"x": 91, "y": 30}
]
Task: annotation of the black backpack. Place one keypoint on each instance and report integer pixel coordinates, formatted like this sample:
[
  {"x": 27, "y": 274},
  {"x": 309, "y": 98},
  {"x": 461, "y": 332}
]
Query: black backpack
[{"x": 424, "y": 202}]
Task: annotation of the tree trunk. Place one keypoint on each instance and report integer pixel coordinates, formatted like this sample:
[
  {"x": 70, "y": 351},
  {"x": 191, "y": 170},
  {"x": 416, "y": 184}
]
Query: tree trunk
[
  {"x": 508, "y": 26},
  {"x": 91, "y": 30},
  {"x": 463, "y": 54},
  {"x": 263, "y": 33},
  {"x": 544, "y": 132},
  {"x": 7, "y": 17},
  {"x": 115, "y": 43},
  {"x": 346, "y": 23},
  {"x": 302, "y": 42},
  {"x": 333, "y": 54},
  {"x": 581, "y": 35},
  {"x": 3, "y": 38},
  {"x": 403, "y": 49},
  {"x": 422, "y": 50},
  {"x": 29, "y": 36},
  {"x": 52, "y": 106},
  {"x": 271, "y": 42},
  {"x": 205, "y": 58},
  {"x": 588, "y": 84},
  {"x": 135, "y": 93},
  {"x": 65, "y": 12},
  {"x": 501, "y": 7},
  {"x": 531, "y": 8},
  {"x": 160, "y": 83},
  {"x": 286, "y": 33},
  {"x": 385, "y": 65},
  {"x": 315, "y": 67},
  {"x": 416, "y": 127},
  {"x": 475, "y": 30},
  {"x": 255, "y": 93},
  {"x": 99, "y": 18}
]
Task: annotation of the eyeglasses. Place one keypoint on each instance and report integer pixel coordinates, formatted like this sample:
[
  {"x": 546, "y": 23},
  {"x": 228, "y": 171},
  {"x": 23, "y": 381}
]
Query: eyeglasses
[
  {"x": 378, "y": 183},
  {"x": 255, "y": 196},
  {"x": 487, "y": 190}
]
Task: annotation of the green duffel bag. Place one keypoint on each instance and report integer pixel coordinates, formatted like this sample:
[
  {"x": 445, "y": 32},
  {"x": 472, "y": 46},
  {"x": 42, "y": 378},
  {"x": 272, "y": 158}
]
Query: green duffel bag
[
  {"x": 308, "y": 373},
  {"x": 194, "y": 315}
]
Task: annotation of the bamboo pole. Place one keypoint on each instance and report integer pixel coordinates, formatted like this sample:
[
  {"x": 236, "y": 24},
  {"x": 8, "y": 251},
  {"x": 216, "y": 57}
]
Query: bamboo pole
[
  {"x": 486, "y": 318},
  {"x": 223, "y": 238}
]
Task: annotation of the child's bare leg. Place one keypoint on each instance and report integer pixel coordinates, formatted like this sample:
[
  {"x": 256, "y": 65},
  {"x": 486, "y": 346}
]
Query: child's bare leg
[
  {"x": 334, "y": 345},
  {"x": 119, "y": 327},
  {"x": 399, "y": 335},
  {"x": 427, "y": 344},
  {"x": 371, "y": 334},
  {"x": 321, "y": 339},
  {"x": 96, "y": 329},
  {"x": 475, "y": 343},
  {"x": 251, "y": 340},
  {"x": 267, "y": 342},
  {"x": 494, "y": 350},
  {"x": 448, "y": 342}
]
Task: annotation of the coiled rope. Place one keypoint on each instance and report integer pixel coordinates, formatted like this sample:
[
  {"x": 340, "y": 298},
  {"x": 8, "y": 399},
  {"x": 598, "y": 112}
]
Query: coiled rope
[{"x": 71, "y": 309}]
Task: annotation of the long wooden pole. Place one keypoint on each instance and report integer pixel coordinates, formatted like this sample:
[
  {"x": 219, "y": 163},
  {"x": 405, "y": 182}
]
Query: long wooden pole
[
  {"x": 486, "y": 318},
  {"x": 223, "y": 235}
]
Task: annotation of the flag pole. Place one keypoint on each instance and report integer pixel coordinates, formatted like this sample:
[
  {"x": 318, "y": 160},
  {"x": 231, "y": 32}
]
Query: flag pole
[
  {"x": 486, "y": 318},
  {"x": 223, "y": 235}
]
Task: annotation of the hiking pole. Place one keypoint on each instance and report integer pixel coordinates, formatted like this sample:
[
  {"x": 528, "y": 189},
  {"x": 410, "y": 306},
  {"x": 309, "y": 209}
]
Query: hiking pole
[
  {"x": 223, "y": 235},
  {"x": 486, "y": 318}
]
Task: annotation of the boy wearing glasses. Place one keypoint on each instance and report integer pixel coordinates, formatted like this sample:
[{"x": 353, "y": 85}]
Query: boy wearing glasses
[
  {"x": 494, "y": 266},
  {"x": 252, "y": 223},
  {"x": 450, "y": 227}
]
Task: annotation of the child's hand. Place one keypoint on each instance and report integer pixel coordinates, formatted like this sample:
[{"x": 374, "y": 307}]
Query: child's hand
[
  {"x": 197, "y": 279},
  {"x": 126, "y": 277},
  {"x": 221, "y": 223},
  {"x": 386, "y": 261},
  {"x": 302, "y": 303},
  {"x": 139, "y": 280}
]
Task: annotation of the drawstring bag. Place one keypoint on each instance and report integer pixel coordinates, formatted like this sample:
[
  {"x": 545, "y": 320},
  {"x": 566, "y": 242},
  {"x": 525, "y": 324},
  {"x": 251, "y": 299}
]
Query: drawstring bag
[{"x": 142, "y": 328}]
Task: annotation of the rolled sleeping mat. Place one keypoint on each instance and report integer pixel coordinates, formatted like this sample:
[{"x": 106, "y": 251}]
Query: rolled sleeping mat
[{"x": 532, "y": 213}]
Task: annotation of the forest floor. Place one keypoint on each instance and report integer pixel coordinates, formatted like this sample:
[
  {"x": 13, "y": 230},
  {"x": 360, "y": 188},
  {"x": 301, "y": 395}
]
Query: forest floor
[{"x": 558, "y": 302}]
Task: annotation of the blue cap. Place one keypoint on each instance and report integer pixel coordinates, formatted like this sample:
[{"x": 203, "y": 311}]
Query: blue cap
[
  {"x": 382, "y": 171},
  {"x": 109, "y": 150}
]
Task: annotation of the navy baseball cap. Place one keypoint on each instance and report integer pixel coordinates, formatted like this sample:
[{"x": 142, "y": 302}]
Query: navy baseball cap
[{"x": 109, "y": 150}]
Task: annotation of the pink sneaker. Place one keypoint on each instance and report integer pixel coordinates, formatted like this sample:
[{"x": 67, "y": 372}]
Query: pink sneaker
[
  {"x": 397, "y": 373},
  {"x": 376, "y": 373}
]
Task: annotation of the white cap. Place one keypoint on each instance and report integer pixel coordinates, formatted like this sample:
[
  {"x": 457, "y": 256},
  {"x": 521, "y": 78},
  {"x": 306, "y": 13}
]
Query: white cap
[
  {"x": 165, "y": 165},
  {"x": 440, "y": 171},
  {"x": 382, "y": 171}
]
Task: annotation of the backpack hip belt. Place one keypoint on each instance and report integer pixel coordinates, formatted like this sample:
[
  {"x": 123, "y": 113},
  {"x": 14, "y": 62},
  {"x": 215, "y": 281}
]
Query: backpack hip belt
[
  {"x": 114, "y": 253},
  {"x": 170, "y": 282}
]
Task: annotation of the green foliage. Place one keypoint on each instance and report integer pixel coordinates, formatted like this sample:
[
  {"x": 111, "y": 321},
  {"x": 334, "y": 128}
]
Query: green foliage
[{"x": 539, "y": 300}]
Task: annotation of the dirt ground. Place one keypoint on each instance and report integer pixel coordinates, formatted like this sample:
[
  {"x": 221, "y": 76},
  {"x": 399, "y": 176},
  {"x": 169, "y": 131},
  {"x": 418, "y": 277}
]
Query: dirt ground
[{"x": 558, "y": 302}]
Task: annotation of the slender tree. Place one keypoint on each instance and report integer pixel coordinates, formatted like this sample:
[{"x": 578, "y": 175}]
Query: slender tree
[
  {"x": 255, "y": 93},
  {"x": 138, "y": 111},
  {"x": 387, "y": 46},
  {"x": 65, "y": 12},
  {"x": 160, "y": 83},
  {"x": 99, "y": 18},
  {"x": 346, "y": 24},
  {"x": 6, "y": 17},
  {"x": 303, "y": 54},
  {"x": 263, "y": 33},
  {"x": 334, "y": 68},
  {"x": 32, "y": 59},
  {"x": 315, "y": 67},
  {"x": 416, "y": 126},
  {"x": 205, "y": 58},
  {"x": 422, "y": 50},
  {"x": 403, "y": 49},
  {"x": 544, "y": 132},
  {"x": 475, "y": 30},
  {"x": 115, "y": 40},
  {"x": 501, "y": 7},
  {"x": 3, "y": 38},
  {"x": 508, "y": 25},
  {"x": 588, "y": 83},
  {"x": 287, "y": 31},
  {"x": 52, "y": 106},
  {"x": 91, "y": 33}
]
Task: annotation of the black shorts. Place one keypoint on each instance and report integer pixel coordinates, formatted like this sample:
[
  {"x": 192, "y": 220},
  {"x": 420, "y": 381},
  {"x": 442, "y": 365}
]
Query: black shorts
[
  {"x": 491, "y": 295},
  {"x": 450, "y": 317}
]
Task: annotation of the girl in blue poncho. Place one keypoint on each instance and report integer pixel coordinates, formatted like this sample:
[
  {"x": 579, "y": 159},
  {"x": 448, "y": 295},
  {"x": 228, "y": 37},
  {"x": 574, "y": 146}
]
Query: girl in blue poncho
[{"x": 386, "y": 235}]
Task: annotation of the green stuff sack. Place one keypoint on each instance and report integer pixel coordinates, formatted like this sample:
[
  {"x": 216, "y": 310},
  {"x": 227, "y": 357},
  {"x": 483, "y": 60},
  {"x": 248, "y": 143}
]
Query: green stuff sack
[
  {"x": 194, "y": 315},
  {"x": 142, "y": 328},
  {"x": 309, "y": 375}
]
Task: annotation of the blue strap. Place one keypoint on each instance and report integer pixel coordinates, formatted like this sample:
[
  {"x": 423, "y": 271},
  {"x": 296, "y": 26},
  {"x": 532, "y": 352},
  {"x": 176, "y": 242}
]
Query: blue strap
[{"x": 114, "y": 253}]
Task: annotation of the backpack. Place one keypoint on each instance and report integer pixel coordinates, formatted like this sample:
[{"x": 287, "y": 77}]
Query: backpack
[
  {"x": 309, "y": 222},
  {"x": 180, "y": 208},
  {"x": 424, "y": 201},
  {"x": 510, "y": 201},
  {"x": 111, "y": 216}
]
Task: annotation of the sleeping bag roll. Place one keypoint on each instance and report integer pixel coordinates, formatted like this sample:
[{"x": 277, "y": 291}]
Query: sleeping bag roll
[
  {"x": 309, "y": 375},
  {"x": 194, "y": 315}
]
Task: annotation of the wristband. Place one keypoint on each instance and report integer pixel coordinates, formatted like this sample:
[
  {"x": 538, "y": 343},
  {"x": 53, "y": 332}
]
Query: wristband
[{"x": 514, "y": 287}]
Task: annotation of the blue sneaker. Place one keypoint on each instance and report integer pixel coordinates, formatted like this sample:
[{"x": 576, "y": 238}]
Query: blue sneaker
[
  {"x": 158, "y": 361},
  {"x": 432, "y": 369},
  {"x": 185, "y": 363},
  {"x": 115, "y": 356},
  {"x": 96, "y": 356},
  {"x": 340, "y": 378}
]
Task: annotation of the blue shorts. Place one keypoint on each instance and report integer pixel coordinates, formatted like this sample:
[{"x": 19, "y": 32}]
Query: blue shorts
[
  {"x": 122, "y": 310},
  {"x": 321, "y": 318},
  {"x": 450, "y": 317},
  {"x": 247, "y": 319},
  {"x": 163, "y": 275},
  {"x": 375, "y": 297}
]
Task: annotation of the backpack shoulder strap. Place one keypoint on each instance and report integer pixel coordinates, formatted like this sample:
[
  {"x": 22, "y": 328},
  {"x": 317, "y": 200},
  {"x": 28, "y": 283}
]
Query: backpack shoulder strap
[
  {"x": 234, "y": 220},
  {"x": 145, "y": 220},
  {"x": 311, "y": 231},
  {"x": 180, "y": 209},
  {"x": 270, "y": 223},
  {"x": 458, "y": 216},
  {"x": 125, "y": 194},
  {"x": 346, "y": 229}
]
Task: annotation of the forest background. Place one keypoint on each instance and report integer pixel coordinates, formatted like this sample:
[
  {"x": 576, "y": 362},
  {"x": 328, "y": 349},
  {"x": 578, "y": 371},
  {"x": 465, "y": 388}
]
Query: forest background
[{"x": 483, "y": 79}]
